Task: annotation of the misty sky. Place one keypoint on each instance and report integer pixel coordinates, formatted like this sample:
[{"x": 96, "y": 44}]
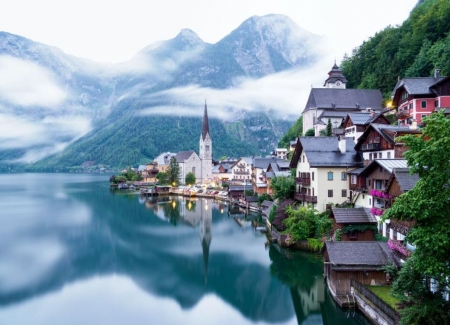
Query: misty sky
[{"x": 114, "y": 30}]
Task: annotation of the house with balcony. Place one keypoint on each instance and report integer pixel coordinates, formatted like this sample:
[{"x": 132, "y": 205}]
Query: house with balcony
[
  {"x": 380, "y": 141},
  {"x": 149, "y": 173},
  {"x": 334, "y": 102},
  {"x": 400, "y": 182},
  {"x": 321, "y": 165},
  {"x": 418, "y": 97},
  {"x": 241, "y": 170},
  {"x": 371, "y": 192},
  {"x": 281, "y": 153},
  {"x": 355, "y": 124},
  {"x": 221, "y": 172}
]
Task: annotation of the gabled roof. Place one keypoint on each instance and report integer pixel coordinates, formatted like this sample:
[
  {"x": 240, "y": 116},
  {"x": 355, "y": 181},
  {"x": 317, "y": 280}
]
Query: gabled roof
[
  {"x": 164, "y": 158},
  {"x": 344, "y": 99},
  {"x": 335, "y": 74},
  {"x": 183, "y": 155},
  {"x": 247, "y": 160},
  {"x": 263, "y": 163},
  {"x": 355, "y": 215},
  {"x": 324, "y": 151},
  {"x": 333, "y": 114},
  {"x": 418, "y": 85},
  {"x": 387, "y": 131},
  {"x": 404, "y": 179},
  {"x": 360, "y": 253},
  {"x": 388, "y": 164}
]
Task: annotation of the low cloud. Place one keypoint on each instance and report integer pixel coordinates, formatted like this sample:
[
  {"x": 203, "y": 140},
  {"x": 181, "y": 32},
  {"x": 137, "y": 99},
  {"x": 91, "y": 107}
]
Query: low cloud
[
  {"x": 282, "y": 94},
  {"x": 27, "y": 84},
  {"x": 40, "y": 137}
]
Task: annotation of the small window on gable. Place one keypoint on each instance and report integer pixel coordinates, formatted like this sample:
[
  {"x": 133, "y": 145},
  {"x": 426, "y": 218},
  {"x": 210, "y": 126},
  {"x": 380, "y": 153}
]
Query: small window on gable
[
  {"x": 330, "y": 176},
  {"x": 312, "y": 175},
  {"x": 303, "y": 158}
]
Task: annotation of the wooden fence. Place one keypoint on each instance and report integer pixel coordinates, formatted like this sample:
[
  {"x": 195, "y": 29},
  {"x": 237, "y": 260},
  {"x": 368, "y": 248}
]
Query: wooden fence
[{"x": 373, "y": 298}]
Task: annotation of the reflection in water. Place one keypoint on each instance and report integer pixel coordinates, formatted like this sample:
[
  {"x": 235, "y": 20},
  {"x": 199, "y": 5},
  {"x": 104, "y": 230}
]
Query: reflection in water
[{"x": 69, "y": 244}]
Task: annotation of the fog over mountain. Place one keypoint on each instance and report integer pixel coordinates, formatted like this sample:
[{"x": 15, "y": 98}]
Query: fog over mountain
[{"x": 57, "y": 110}]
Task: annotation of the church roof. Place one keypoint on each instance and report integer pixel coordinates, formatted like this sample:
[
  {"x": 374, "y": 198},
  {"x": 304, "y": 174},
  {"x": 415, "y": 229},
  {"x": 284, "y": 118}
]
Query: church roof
[
  {"x": 183, "y": 155},
  {"x": 344, "y": 99},
  {"x": 205, "y": 127}
]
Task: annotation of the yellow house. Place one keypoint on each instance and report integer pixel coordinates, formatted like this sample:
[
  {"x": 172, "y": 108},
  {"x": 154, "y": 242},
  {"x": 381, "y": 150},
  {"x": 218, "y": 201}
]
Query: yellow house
[{"x": 321, "y": 165}]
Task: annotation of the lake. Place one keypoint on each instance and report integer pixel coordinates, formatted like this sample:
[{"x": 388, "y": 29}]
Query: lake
[{"x": 73, "y": 251}]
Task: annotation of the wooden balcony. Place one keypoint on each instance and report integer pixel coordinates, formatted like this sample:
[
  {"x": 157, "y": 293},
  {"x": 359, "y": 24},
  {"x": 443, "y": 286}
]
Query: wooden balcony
[
  {"x": 305, "y": 198},
  {"x": 403, "y": 114},
  {"x": 299, "y": 196},
  {"x": 310, "y": 199},
  {"x": 401, "y": 226},
  {"x": 244, "y": 172},
  {"x": 371, "y": 146},
  {"x": 303, "y": 181}
]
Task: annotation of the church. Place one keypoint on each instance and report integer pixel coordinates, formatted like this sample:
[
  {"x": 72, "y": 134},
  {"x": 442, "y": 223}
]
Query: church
[
  {"x": 200, "y": 165},
  {"x": 334, "y": 101}
]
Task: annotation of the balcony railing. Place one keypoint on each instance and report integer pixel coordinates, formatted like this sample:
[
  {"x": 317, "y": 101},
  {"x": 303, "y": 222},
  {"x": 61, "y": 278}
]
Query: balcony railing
[
  {"x": 245, "y": 172},
  {"x": 302, "y": 181},
  {"x": 371, "y": 146},
  {"x": 310, "y": 199},
  {"x": 299, "y": 196}
]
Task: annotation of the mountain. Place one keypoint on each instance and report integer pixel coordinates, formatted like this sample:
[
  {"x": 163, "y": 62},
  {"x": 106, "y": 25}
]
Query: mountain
[{"x": 125, "y": 114}]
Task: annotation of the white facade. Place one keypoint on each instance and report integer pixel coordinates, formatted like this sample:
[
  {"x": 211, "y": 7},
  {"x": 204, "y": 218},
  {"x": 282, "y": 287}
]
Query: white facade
[
  {"x": 193, "y": 164},
  {"x": 241, "y": 171}
]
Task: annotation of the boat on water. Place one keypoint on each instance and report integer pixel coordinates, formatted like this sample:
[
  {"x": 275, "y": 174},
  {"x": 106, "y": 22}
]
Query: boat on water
[{"x": 122, "y": 186}]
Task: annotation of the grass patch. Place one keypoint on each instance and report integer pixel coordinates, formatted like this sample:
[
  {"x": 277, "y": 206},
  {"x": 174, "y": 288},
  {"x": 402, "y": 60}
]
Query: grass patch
[{"x": 383, "y": 293}]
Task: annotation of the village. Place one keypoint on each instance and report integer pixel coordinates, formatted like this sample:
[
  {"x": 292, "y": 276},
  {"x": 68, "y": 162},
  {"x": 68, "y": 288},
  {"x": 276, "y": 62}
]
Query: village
[{"x": 351, "y": 167}]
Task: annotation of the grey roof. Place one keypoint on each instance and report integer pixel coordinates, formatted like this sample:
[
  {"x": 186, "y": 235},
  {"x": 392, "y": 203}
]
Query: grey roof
[
  {"x": 263, "y": 163},
  {"x": 324, "y": 151},
  {"x": 405, "y": 180},
  {"x": 356, "y": 171},
  {"x": 335, "y": 74},
  {"x": 344, "y": 99},
  {"x": 387, "y": 131},
  {"x": 418, "y": 85},
  {"x": 239, "y": 188},
  {"x": 183, "y": 155},
  {"x": 327, "y": 113},
  {"x": 360, "y": 253},
  {"x": 355, "y": 215},
  {"x": 388, "y": 164},
  {"x": 283, "y": 164},
  {"x": 361, "y": 118}
]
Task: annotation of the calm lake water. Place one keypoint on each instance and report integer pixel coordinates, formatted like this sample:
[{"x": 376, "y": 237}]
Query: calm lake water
[{"x": 74, "y": 252}]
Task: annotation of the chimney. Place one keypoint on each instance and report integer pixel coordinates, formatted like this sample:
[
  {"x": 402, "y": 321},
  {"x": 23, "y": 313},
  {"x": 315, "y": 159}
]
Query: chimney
[
  {"x": 372, "y": 113},
  {"x": 437, "y": 73},
  {"x": 413, "y": 125},
  {"x": 342, "y": 144}
]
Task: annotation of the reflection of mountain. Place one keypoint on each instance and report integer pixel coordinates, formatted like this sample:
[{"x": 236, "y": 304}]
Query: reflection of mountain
[{"x": 125, "y": 236}]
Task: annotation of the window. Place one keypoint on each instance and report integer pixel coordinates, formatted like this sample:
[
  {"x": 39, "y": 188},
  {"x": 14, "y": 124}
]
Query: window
[
  {"x": 423, "y": 104},
  {"x": 436, "y": 103},
  {"x": 344, "y": 193},
  {"x": 370, "y": 156},
  {"x": 370, "y": 201},
  {"x": 330, "y": 176},
  {"x": 312, "y": 175},
  {"x": 353, "y": 179},
  {"x": 389, "y": 155},
  {"x": 343, "y": 176},
  {"x": 193, "y": 170},
  {"x": 303, "y": 158},
  {"x": 375, "y": 156},
  {"x": 330, "y": 193},
  {"x": 381, "y": 155},
  {"x": 423, "y": 115}
]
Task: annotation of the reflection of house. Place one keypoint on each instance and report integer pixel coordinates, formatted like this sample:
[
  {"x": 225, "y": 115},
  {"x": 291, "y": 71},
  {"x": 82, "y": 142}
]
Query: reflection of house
[
  {"x": 352, "y": 222},
  {"x": 359, "y": 260},
  {"x": 336, "y": 98},
  {"x": 321, "y": 165}
]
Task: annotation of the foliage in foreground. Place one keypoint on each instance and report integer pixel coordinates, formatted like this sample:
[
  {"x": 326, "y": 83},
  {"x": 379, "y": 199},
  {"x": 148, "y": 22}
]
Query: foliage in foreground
[
  {"x": 283, "y": 187},
  {"x": 429, "y": 205}
]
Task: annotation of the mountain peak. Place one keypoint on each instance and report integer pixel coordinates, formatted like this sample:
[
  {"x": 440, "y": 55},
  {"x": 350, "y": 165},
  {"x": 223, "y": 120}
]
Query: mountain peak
[{"x": 188, "y": 37}]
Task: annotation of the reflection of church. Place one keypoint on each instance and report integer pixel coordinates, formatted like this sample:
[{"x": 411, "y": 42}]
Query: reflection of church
[{"x": 196, "y": 212}]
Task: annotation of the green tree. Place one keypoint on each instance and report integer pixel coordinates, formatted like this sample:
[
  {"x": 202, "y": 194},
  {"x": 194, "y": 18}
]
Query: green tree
[
  {"x": 190, "y": 178},
  {"x": 264, "y": 197},
  {"x": 429, "y": 205},
  {"x": 309, "y": 133},
  {"x": 283, "y": 187},
  {"x": 162, "y": 178},
  {"x": 295, "y": 131},
  {"x": 329, "y": 129},
  {"x": 173, "y": 172}
]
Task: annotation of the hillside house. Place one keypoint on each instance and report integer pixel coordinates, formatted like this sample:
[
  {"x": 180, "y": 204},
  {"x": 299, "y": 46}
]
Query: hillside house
[
  {"x": 321, "y": 165},
  {"x": 418, "y": 97},
  {"x": 149, "y": 173},
  {"x": 355, "y": 124},
  {"x": 259, "y": 177}
]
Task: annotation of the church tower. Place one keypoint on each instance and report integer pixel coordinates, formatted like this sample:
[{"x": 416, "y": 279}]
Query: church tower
[
  {"x": 206, "y": 150},
  {"x": 335, "y": 78}
]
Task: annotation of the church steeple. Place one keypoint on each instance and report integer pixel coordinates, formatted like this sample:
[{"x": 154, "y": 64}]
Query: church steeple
[
  {"x": 205, "y": 127},
  {"x": 335, "y": 78}
]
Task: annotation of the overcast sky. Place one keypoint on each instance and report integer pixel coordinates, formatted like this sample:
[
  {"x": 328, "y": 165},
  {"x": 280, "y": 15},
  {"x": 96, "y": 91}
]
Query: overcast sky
[{"x": 114, "y": 30}]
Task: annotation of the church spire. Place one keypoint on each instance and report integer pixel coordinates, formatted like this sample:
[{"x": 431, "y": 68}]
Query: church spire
[{"x": 205, "y": 128}]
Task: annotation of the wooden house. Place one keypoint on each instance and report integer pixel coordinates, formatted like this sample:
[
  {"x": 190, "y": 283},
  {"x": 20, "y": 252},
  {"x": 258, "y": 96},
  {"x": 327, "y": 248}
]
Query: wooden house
[
  {"x": 355, "y": 224},
  {"x": 380, "y": 141},
  {"x": 355, "y": 124},
  {"x": 359, "y": 260},
  {"x": 400, "y": 182}
]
